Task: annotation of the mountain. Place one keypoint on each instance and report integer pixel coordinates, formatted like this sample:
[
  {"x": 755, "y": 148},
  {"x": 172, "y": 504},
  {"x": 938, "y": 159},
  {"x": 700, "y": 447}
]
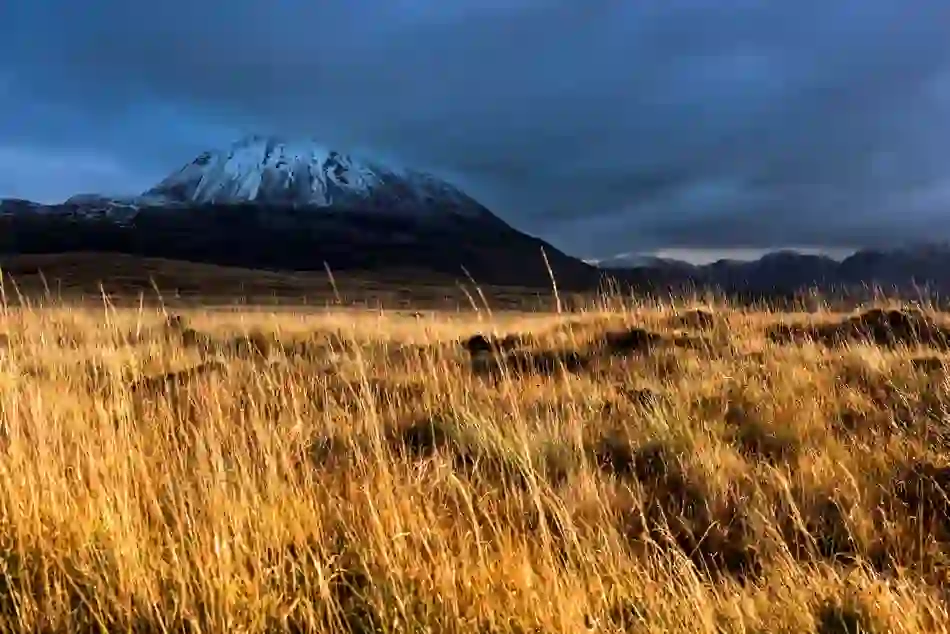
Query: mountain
[
  {"x": 905, "y": 270},
  {"x": 271, "y": 203},
  {"x": 277, "y": 172}
]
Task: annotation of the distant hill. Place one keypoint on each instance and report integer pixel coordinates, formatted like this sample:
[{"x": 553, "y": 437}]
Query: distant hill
[{"x": 905, "y": 271}]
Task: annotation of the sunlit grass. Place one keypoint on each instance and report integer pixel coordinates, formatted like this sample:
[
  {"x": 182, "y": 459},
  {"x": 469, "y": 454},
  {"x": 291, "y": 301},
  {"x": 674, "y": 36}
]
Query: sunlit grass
[{"x": 351, "y": 470}]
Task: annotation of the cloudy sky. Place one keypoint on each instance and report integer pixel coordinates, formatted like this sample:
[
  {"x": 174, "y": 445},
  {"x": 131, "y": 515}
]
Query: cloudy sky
[{"x": 602, "y": 126}]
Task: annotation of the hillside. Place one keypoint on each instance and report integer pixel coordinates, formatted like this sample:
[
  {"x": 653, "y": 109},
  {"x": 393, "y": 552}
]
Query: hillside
[{"x": 128, "y": 279}]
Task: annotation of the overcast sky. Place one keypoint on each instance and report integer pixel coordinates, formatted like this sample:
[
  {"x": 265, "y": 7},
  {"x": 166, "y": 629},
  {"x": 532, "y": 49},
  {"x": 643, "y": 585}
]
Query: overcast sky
[{"x": 602, "y": 126}]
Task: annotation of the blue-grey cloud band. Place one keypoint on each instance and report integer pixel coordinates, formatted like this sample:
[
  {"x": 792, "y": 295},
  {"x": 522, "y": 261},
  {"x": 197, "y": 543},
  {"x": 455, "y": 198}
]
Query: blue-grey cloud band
[{"x": 604, "y": 126}]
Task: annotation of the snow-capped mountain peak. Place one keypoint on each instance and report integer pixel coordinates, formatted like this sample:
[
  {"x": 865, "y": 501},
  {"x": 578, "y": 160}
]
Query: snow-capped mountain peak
[{"x": 274, "y": 171}]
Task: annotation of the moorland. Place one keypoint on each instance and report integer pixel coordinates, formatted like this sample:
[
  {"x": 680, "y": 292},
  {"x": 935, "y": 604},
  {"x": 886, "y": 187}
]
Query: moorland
[{"x": 626, "y": 466}]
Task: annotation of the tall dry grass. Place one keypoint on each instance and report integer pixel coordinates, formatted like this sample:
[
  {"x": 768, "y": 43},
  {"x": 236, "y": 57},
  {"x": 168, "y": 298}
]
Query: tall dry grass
[{"x": 350, "y": 470}]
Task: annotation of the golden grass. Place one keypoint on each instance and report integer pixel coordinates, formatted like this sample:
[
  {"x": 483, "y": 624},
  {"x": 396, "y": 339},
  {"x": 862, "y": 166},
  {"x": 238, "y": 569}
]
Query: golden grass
[{"x": 352, "y": 471}]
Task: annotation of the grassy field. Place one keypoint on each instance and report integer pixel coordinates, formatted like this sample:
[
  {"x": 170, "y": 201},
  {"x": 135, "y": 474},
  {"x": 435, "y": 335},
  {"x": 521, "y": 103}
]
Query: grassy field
[{"x": 272, "y": 471}]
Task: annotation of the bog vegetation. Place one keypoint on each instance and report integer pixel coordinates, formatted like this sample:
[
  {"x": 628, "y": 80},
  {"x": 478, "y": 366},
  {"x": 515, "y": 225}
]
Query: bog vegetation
[{"x": 628, "y": 468}]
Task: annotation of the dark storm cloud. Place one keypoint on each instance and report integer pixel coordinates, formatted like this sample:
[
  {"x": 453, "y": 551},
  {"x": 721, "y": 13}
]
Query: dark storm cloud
[{"x": 603, "y": 125}]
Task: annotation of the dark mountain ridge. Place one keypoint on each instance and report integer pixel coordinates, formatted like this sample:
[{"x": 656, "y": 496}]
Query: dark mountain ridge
[{"x": 288, "y": 238}]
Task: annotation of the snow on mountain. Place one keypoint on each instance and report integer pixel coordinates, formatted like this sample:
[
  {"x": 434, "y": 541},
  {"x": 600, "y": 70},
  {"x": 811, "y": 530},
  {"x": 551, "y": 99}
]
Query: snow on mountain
[
  {"x": 303, "y": 173},
  {"x": 638, "y": 260}
]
